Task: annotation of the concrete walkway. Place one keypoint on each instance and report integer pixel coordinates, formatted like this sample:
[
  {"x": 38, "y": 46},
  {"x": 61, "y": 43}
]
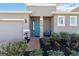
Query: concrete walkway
[{"x": 33, "y": 44}]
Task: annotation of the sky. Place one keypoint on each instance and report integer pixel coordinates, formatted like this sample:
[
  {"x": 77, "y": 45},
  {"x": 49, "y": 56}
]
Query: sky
[
  {"x": 22, "y": 6},
  {"x": 67, "y": 6},
  {"x": 12, "y": 7}
]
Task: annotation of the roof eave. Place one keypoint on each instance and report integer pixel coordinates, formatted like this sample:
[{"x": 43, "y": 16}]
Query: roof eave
[
  {"x": 28, "y": 12},
  {"x": 65, "y": 13}
]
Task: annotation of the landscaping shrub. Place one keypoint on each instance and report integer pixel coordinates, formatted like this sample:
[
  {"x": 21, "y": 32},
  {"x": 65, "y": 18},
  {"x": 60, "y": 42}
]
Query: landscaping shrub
[
  {"x": 74, "y": 41},
  {"x": 73, "y": 45},
  {"x": 74, "y": 53},
  {"x": 13, "y": 49},
  {"x": 55, "y": 53},
  {"x": 67, "y": 51},
  {"x": 64, "y": 36},
  {"x": 74, "y": 37},
  {"x": 57, "y": 44},
  {"x": 46, "y": 42},
  {"x": 54, "y": 37},
  {"x": 26, "y": 53},
  {"x": 36, "y": 53}
]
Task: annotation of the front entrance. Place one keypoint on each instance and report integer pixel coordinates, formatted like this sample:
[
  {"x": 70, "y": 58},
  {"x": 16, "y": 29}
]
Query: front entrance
[
  {"x": 47, "y": 26},
  {"x": 35, "y": 26}
]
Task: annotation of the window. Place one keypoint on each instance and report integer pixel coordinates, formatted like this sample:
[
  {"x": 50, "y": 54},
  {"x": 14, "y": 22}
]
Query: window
[
  {"x": 61, "y": 20},
  {"x": 73, "y": 20}
]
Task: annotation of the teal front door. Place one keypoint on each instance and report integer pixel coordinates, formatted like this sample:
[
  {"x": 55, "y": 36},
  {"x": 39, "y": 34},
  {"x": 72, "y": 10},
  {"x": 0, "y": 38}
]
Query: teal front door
[{"x": 35, "y": 28}]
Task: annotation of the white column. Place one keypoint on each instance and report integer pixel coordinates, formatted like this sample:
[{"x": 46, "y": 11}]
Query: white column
[
  {"x": 27, "y": 26},
  {"x": 41, "y": 27}
]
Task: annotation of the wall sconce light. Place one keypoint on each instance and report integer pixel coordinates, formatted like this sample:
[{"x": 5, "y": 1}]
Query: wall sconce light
[{"x": 25, "y": 20}]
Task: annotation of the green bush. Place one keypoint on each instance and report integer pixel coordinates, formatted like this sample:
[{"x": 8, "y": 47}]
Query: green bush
[
  {"x": 55, "y": 53},
  {"x": 74, "y": 53},
  {"x": 74, "y": 41},
  {"x": 64, "y": 35},
  {"x": 46, "y": 42},
  {"x": 54, "y": 37},
  {"x": 73, "y": 45},
  {"x": 13, "y": 49},
  {"x": 57, "y": 44},
  {"x": 36, "y": 53},
  {"x": 74, "y": 37}
]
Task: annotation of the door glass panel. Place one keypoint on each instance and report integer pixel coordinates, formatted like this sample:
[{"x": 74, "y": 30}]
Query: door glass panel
[{"x": 35, "y": 27}]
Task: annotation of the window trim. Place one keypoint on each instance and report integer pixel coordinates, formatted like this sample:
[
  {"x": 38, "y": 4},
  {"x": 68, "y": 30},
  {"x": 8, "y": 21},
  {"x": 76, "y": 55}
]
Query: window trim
[
  {"x": 58, "y": 24},
  {"x": 75, "y": 21}
]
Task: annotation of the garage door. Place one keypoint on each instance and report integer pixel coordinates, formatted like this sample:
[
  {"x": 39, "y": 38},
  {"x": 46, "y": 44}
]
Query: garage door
[{"x": 11, "y": 30}]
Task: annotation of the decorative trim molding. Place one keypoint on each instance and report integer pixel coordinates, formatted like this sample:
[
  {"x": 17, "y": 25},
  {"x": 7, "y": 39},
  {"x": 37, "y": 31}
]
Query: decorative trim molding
[{"x": 41, "y": 4}]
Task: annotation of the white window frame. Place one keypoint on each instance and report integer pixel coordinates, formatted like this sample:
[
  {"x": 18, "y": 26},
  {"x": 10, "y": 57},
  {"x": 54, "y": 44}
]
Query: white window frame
[
  {"x": 75, "y": 21},
  {"x": 58, "y": 24}
]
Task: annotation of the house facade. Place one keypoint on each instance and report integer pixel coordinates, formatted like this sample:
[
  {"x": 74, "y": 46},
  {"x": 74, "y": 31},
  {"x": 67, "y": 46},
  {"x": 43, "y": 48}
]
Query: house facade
[
  {"x": 38, "y": 20},
  {"x": 45, "y": 20}
]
